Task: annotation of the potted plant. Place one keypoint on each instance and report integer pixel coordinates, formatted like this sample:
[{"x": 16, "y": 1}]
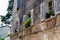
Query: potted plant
[
  {"x": 27, "y": 23},
  {"x": 47, "y": 15},
  {"x": 51, "y": 13}
]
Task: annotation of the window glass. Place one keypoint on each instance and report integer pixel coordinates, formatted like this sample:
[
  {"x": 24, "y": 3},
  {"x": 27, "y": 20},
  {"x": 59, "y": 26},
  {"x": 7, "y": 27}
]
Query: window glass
[
  {"x": 18, "y": 3},
  {"x": 50, "y": 5}
]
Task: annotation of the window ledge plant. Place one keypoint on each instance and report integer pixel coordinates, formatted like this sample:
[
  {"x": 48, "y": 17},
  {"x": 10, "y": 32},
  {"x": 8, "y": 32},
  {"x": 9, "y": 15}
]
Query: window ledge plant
[
  {"x": 27, "y": 23},
  {"x": 49, "y": 14}
]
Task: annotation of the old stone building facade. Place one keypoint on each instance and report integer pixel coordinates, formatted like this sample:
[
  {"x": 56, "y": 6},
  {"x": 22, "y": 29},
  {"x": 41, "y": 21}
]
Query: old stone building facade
[{"x": 39, "y": 28}]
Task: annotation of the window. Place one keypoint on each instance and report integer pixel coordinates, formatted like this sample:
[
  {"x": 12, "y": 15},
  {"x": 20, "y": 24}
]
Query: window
[
  {"x": 50, "y": 5},
  {"x": 18, "y": 4}
]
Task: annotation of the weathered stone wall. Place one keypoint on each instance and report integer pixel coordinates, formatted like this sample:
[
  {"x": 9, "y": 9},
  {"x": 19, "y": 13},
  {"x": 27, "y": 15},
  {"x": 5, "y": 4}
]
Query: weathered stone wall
[
  {"x": 51, "y": 34},
  {"x": 58, "y": 20}
]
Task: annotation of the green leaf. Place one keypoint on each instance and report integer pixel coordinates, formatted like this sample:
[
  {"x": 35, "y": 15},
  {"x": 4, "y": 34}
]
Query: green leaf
[
  {"x": 8, "y": 15},
  {"x": 3, "y": 18},
  {"x": 47, "y": 15},
  {"x": 1, "y": 39}
]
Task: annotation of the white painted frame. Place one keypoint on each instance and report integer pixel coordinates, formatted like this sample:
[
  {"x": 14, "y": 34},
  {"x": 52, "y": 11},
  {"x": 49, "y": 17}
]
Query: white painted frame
[
  {"x": 42, "y": 11},
  {"x": 32, "y": 17}
]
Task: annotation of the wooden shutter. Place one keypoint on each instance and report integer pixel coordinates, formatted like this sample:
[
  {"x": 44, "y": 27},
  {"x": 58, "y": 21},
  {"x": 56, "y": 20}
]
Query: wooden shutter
[{"x": 56, "y": 6}]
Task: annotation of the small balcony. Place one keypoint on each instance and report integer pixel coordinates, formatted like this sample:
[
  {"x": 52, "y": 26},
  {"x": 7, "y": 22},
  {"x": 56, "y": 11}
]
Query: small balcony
[{"x": 47, "y": 24}]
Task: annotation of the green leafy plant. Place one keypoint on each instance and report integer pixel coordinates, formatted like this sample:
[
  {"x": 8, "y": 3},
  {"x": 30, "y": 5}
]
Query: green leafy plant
[
  {"x": 8, "y": 15},
  {"x": 1, "y": 39},
  {"x": 9, "y": 12},
  {"x": 53, "y": 13},
  {"x": 27, "y": 23},
  {"x": 10, "y": 6},
  {"x": 3, "y": 18},
  {"x": 50, "y": 13},
  {"x": 47, "y": 15}
]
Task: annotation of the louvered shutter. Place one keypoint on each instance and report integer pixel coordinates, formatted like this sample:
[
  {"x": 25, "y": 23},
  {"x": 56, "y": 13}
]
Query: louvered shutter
[
  {"x": 32, "y": 16},
  {"x": 42, "y": 11},
  {"x": 56, "y": 6}
]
